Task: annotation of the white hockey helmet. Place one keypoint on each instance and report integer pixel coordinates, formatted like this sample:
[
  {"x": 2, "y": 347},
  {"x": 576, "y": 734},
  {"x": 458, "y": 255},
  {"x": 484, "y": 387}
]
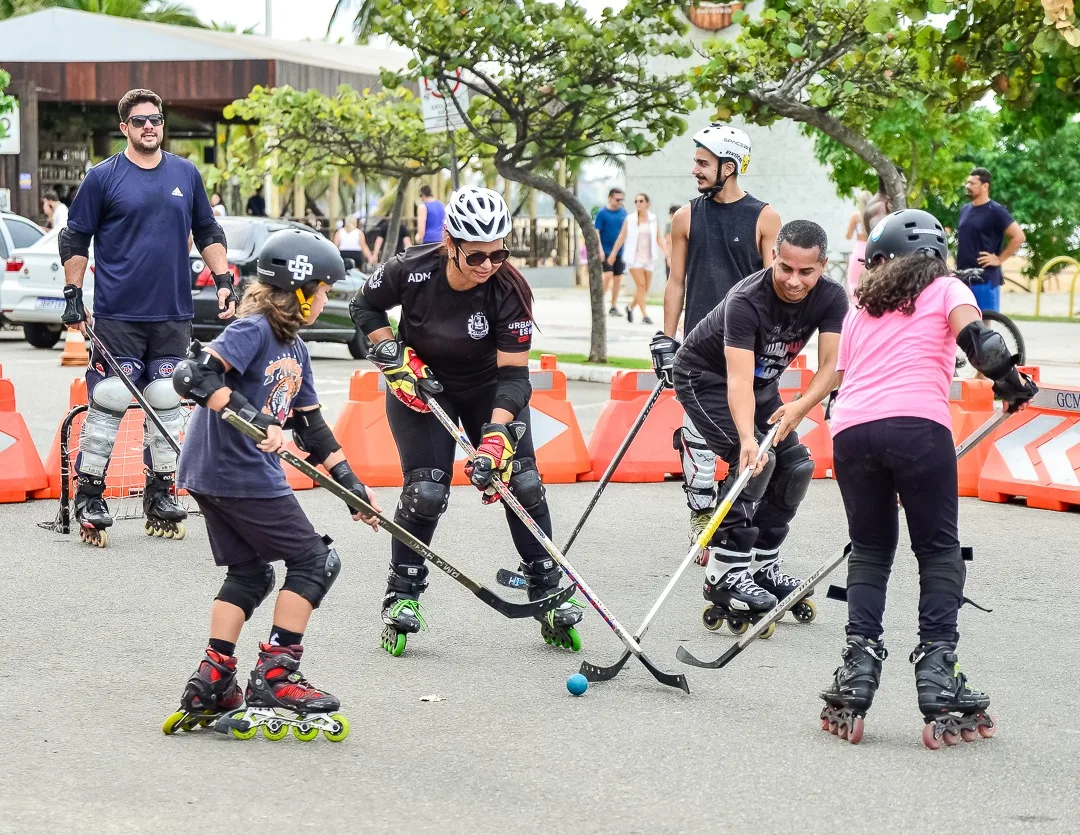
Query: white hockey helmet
[
  {"x": 725, "y": 143},
  {"x": 477, "y": 214}
]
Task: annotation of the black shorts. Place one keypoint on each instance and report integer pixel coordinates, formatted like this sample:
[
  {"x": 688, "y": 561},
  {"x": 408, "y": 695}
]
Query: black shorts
[
  {"x": 618, "y": 268},
  {"x": 141, "y": 342},
  {"x": 257, "y": 530}
]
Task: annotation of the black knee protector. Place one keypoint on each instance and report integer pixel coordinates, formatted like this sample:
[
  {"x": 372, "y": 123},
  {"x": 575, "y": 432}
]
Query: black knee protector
[
  {"x": 424, "y": 496},
  {"x": 526, "y": 485},
  {"x": 943, "y": 573},
  {"x": 869, "y": 567},
  {"x": 247, "y": 585},
  {"x": 312, "y": 576},
  {"x": 755, "y": 487},
  {"x": 408, "y": 579},
  {"x": 791, "y": 480},
  {"x": 542, "y": 573}
]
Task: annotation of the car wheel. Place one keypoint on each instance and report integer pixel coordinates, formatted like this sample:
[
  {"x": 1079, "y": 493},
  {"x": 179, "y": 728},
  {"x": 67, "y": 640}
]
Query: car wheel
[
  {"x": 41, "y": 336},
  {"x": 359, "y": 346}
]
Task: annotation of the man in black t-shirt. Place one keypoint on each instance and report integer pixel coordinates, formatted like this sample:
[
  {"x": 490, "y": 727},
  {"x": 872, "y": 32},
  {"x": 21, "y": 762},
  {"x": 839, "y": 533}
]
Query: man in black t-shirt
[
  {"x": 727, "y": 377},
  {"x": 382, "y": 232},
  {"x": 981, "y": 231}
]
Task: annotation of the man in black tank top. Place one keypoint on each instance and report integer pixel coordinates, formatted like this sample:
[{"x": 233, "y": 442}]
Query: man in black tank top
[{"x": 718, "y": 239}]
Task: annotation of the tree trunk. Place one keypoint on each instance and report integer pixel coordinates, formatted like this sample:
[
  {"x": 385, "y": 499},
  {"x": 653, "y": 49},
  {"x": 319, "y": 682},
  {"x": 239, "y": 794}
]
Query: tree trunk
[
  {"x": 598, "y": 332},
  {"x": 389, "y": 247}
]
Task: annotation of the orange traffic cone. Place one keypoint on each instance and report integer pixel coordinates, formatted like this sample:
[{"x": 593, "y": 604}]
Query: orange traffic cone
[{"x": 75, "y": 352}]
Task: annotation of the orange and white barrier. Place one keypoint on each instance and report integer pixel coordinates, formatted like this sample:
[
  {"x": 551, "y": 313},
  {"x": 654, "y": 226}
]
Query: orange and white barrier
[
  {"x": 813, "y": 431},
  {"x": 21, "y": 473},
  {"x": 971, "y": 403}
]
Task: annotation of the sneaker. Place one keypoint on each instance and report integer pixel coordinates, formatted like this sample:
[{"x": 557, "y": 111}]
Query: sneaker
[
  {"x": 614, "y": 312},
  {"x": 630, "y": 315},
  {"x": 645, "y": 320}
]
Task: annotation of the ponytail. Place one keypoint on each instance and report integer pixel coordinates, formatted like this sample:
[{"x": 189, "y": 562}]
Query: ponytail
[{"x": 509, "y": 275}]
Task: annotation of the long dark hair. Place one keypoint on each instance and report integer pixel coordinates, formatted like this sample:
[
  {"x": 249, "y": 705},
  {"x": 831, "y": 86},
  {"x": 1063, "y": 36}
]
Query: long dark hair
[
  {"x": 280, "y": 307},
  {"x": 896, "y": 284},
  {"x": 509, "y": 275}
]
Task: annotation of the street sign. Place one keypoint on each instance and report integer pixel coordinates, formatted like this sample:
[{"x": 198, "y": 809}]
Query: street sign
[
  {"x": 9, "y": 131},
  {"x": 440, "y": 111}
]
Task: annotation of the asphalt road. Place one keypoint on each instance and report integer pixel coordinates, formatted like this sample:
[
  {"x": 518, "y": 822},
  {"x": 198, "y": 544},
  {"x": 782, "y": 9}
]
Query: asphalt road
[{"x": 99, "y": 644}]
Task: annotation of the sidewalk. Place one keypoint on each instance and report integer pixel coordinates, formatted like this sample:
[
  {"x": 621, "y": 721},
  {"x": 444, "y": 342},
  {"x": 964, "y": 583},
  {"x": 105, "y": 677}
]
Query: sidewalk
[{"x": 563, "y": 325}]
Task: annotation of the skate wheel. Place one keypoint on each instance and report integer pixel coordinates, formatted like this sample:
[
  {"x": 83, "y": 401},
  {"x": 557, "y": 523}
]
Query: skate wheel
[
  {"x": 150, "y": 531},
  {"x": 305, "y": 732},
  {"x": 393, "y": 641},
  {"x": 950, "y": 738},
  {"x": 205, "y": 723},
  {"x": 842, "y": 731},
  {"x": 173, "y": 723},
  {"x": 968, "y": 734},
  {"x": 834, "y": 728},
  {"x": 702, "y": 558},
  {"x": 190, "y": 724},
  {"x": 239, "y": 734},
  {"x": 575, "y": 640},
  {"x": 856, "y": 732},
  {"x": 709, "y": 618},
  {"x": 180, "y": 532},
  {"x": 342, "y": 728},
  {"x": 804, "y": 611},
  {"x": 738, "y": 627},
  {"x": 987, "y": 731},
  {"x": 167, "y": 533},
  {"x": 929, "y": 739},
  {"x": 275, "y": 731},
  {"x": 768, "y": 632},
  {"x": 824, "y": 724}
]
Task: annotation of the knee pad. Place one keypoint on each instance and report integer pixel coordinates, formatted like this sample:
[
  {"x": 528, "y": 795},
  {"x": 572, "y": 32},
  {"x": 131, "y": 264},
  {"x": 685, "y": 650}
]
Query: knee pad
[
  {"x": 162, "y": 368},
  {"x": 942, "y": 573},
  {"x": 869, "y": 567},
  {"x": 698, "y": 465},
  {"x": 791, "y": 481},
  {"x": 110, "y": 394},
  {"x": 756, "y": 486},
  {"x": 311, "y": 576},
  {"x": 163, "y": 399},
  {"x": 247, "y": 585},
  {"x": 526, "y": 485},
  {"x": 424, "y": 496},
  {"x": 108, "y": 403}
]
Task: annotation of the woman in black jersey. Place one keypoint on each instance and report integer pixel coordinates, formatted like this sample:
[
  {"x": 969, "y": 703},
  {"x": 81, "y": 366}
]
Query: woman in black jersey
[{"x": 468, "y": 313}]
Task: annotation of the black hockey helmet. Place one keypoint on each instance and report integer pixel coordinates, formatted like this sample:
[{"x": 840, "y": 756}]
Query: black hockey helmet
[
  {"x": 904, "y": 232},
  {"x": 291, "y": 258}
]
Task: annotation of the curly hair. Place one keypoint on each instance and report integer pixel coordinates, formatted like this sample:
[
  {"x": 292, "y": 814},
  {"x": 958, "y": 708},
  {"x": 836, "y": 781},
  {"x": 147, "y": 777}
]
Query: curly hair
[{"x": 896, "y": 284}]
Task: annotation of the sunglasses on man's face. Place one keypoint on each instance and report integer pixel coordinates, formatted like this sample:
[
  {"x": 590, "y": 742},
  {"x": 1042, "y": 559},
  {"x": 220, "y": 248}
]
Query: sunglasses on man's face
[
  {"x": 155, "y": 119},
  {"x": 475, "y": 259}
]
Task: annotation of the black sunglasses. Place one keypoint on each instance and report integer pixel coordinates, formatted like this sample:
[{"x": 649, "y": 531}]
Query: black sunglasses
[
  {"x": 155, "y": 119},
  {"x": 475, "y": 259}
]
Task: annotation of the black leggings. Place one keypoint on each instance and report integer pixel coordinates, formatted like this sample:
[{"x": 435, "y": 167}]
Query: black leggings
[
  {"x": 423, "y": 443},
  {"x": 915, "y": 459}
]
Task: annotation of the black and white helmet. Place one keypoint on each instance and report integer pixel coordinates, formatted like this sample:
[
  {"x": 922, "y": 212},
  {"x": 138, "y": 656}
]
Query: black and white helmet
[
  {"x": 477, "y": 214},
  {"x": 290, "y": 258},
  {"x": 903, "y": 232},
  {"x": 725, "y": 143}
]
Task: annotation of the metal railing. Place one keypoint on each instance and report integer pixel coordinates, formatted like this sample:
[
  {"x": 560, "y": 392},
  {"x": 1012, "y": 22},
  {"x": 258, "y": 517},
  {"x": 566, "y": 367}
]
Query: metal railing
[{"x": 1045, "y": 271}]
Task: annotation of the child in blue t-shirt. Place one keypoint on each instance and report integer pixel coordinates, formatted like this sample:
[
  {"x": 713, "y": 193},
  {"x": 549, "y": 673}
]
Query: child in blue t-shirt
[{"x": 259, "y": 368}]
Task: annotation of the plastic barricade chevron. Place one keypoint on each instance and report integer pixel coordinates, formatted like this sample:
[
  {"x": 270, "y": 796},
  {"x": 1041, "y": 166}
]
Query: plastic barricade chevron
[
  {"x": 21, "y": 472},
  {"x": 364, "y": 433},
  {"x": 971, "y": 402},
  {"x": 1036, "y": 453},
  {"x": 813, "y": 431}
]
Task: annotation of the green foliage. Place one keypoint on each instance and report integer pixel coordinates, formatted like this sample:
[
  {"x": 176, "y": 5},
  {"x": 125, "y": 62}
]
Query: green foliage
[
  {"x": 6, "y": 101},
  {"x": 159, "y": 11},
  {"x": 376, "y": 133}
]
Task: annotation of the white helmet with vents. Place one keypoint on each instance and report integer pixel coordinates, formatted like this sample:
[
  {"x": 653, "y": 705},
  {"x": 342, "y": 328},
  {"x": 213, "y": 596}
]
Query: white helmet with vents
[
  {"x": 477, "y": 214},
  {"x": 726, "y": 143}
]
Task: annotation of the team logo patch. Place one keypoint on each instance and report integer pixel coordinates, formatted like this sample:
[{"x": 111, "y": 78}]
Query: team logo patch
[
  {"x": 376, "y": 278},
  {"x": 128, "y": 368},
  {"x": 523, "y": 329},
  {"x": 879, "y": 229},
  {"x": 166, "y": 369},
  {"x": 301, "y": 268},
  {"x": 478, "y": 326}
]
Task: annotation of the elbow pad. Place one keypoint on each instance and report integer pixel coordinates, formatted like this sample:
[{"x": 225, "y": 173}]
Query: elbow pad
[
  {"x": 313, "y": 436},
  {"x": 514, "y": 388},
  {"x": 212, "y": 235},
  {"x": 987, "y": 350},
  {"x": 73, "y": 243},
  {"x": 199, "y": 376},
  {"x": 365, "y": 316}
]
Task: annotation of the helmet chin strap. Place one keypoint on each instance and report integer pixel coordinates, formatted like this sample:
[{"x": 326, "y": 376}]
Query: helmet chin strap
[{"x": 721, "y": 181}]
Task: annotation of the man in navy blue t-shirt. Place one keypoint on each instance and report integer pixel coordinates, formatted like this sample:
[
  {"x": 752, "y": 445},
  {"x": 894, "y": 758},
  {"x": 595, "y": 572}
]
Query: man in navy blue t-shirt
[
  {"x": 609, "y": 223},
  {"x": 984, "y": 225},
  {"x": 139, "y": 207}
]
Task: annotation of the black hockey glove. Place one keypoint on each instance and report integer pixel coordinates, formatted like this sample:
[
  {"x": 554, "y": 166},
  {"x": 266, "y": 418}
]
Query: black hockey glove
[
  {"x": 244, "y": 408},
  {"x": 342, "y": 473},
  {"x": 1015, "y": 389},
  {"x": 663, "y": 349},
  {"x": 224, "y": 281},
  {"x": 74, "y": 312}
]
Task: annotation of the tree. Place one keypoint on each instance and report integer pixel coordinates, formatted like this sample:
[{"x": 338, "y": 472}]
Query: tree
[
  {"x": 310, "y": 133},
  {"x": 551, "y": 84},
  {"x": 6, "y": 102},
  {"x": 837, "y": 65},
  {"x": 158, "y": 11}
]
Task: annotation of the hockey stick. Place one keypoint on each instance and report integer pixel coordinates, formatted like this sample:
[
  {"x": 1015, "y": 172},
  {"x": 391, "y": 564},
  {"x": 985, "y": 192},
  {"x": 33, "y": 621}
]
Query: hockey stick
[
  {"x": 517, "y": 581},
  {"x": 504, "y": 607},
  {"x": 799, "y": 591},
  {"x": 594, "y": 673},
  {"x": 119, "y": 372},
  {"x": 678, "y": 680}
]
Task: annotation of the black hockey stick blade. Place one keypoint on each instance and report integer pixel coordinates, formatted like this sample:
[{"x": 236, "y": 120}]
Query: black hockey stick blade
[
  {"x": 499, "y": 604},
  {"x": 594, "y": 673},
  {"x": 676, "y": 680},
  {"x": 510, "y": 579}
]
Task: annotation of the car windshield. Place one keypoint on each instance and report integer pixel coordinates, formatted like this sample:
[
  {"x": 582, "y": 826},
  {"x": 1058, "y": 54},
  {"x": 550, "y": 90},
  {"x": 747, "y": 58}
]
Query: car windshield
[{"x": 240, "y": 234}]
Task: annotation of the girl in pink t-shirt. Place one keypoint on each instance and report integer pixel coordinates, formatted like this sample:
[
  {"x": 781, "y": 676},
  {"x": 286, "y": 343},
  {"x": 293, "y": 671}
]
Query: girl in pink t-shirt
[{"x": 892, "y": 437}]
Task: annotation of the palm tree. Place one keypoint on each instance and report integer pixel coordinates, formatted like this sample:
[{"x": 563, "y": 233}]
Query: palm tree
[
  {"x": 363, "y": 23},
  {"x": 158, "y": 11}
]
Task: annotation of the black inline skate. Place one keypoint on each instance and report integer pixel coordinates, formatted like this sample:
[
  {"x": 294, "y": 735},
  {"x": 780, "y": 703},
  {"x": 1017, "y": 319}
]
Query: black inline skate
[
  {"x": 852, "y": 691},
  {"x": 401, "y": 606},
  {"x": 210, "y": 692},
  {"x": 780, "y": 585},
  {"x": 164, "y": 515},
  {"x": 951, "y": 708},
  {"x": 737, "y": 599},
  {"x": 91, "y": 511},
  {"x": 278, "y": 697},
  {"x": 557, "y": 626}
]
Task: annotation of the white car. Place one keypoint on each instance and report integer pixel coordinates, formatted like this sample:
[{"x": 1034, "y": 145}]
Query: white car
[{"x": 32, "y": 290}]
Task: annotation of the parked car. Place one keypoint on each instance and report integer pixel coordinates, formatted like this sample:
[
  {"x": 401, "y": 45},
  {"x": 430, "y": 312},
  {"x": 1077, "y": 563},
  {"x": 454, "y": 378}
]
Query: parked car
[
  {"x": 15, "y": 231},
  {"x": 32, "y": 291}
]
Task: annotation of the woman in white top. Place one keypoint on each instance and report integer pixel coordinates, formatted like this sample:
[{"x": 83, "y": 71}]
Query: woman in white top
[
  {"x": 644, "y": 244},
  {"x": 350, "y": 242}
]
